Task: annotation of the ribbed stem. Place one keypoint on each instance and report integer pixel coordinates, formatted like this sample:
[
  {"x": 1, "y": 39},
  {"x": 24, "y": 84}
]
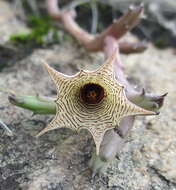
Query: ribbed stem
[{"x": 37, "y": 104}]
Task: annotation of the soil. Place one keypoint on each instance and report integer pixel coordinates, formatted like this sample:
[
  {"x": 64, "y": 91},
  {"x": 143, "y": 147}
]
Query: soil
[{"x": 59, "y": 159}]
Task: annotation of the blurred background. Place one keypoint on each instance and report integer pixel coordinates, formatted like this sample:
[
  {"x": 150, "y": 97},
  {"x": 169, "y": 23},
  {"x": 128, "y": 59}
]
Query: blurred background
[
  {"x": 25, "y": 23},
  {"x": 157, "y": 25}
]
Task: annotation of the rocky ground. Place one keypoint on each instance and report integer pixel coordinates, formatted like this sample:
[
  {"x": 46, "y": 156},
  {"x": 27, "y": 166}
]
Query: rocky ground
[{"x": 58, "y": 160}]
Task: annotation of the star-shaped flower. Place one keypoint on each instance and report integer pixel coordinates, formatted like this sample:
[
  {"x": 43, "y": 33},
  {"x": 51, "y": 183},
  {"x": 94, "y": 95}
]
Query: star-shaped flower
[{"x": 93, "y": 100}]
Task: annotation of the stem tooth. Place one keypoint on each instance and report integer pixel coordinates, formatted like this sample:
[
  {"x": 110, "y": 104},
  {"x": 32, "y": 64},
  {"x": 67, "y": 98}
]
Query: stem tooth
[{"x": 164, "y": 94}]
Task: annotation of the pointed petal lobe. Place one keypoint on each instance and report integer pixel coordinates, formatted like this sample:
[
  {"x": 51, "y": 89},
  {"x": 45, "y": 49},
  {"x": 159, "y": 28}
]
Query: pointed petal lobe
[
  {"x": 56, "y": 76},
  {"x": 51, "y": 126},
  {"x": 107, "y": 67}
]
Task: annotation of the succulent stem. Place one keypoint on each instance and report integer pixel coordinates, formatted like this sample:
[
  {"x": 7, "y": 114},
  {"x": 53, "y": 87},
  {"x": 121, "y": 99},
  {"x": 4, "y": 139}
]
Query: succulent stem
[
  {"x": 96, "y": 42},
  {"x": 37, "y": 104},
  {"x": 46, "y": 105}
]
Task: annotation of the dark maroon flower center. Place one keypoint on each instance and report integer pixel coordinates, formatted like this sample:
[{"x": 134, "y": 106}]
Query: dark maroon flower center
[{"x": 92, "y": 93}]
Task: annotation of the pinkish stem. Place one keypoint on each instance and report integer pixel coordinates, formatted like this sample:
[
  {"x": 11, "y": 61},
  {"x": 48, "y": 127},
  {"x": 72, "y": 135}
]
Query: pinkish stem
[{"x": 96, "y": 42}]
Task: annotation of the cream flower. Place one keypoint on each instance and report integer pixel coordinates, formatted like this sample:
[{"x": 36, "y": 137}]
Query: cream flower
[{"x": 92, "y": 100}]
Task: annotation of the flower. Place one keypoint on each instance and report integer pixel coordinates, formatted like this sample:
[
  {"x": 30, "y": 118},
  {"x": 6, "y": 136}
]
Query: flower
[{"x": 93, "y": 100}]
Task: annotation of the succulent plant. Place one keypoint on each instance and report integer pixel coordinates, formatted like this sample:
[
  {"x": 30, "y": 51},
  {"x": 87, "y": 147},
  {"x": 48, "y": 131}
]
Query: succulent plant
[
  {"x": 101, "y": 101},
  {"x": 93, "y": 100}
]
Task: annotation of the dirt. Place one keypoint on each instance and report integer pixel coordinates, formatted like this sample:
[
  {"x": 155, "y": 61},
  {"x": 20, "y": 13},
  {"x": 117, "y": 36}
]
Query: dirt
[{"x": 59, "y": 159}]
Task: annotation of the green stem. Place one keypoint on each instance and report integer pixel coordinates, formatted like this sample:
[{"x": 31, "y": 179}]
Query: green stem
[
  {"x": 37, "y": 104},
  {"x": 147, "y": 101},
  {"x": 46, "y": 105}
]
